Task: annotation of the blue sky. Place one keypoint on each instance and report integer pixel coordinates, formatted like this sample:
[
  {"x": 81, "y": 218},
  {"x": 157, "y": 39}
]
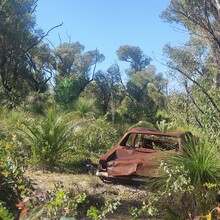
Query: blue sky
[{"x": 107, "y": 25}]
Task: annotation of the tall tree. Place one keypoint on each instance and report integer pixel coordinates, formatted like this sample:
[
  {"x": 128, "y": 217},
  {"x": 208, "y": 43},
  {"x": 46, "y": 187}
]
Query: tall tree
[
  {"x": 145, "y": 97},
  {"x": 144, "y": 87},
  {"x": 75, "y": 66},
  {"x": 202, "y": 19},
  {"x": 134, "y": 56},
  {"x": 194, "y": 68},
  {"x": 193, "y": 62},
  {"x": 109, "y": 89},
  {"x": 41, "y": 65},
  {"x": 19, "y": 41}
]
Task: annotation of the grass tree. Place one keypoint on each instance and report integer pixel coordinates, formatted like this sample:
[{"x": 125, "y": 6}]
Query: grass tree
[
  {"x": 48, "y": 138},
  {"x": 83, "y": 113},
  {"x": 191, "y": 183},
  {"x": 84, "y": 108},
  {"x": 200, "y": 158}
]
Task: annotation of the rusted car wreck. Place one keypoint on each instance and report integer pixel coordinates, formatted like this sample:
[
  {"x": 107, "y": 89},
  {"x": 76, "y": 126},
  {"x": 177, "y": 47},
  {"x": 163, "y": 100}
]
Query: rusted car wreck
[{"x": 138, "y": 154}]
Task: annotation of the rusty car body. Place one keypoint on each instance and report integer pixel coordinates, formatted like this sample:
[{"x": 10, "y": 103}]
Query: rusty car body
[{"x": 138, "y": 154}]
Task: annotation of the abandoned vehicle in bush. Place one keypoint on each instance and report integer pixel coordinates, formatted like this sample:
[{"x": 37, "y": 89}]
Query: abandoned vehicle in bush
[{"x": 138, "y": 154}]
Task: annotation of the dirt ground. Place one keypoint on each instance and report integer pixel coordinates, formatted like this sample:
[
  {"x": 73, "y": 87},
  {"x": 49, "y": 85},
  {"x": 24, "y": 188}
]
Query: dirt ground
[{"x": 129, "y": 195}]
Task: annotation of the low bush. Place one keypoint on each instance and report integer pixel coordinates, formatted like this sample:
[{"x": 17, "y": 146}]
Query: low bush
[
  {"x": 48, "y": 139},
  {"x": 59, "y": 204},
  {"x": 13, "y": 184},
  {"x": 56, "y": 204},
  {"x": 185, "y": 189},
  {"x": 94, "y": 138}
]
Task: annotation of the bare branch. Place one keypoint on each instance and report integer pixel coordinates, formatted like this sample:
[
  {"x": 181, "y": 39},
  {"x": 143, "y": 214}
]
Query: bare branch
[
  {"x": 193, "y": 100},
  {"x": 199, "y": 85},
  {"x": 94, "y": 69},
  {"x": 217, "y": 5},
  {"x": 51, "y": 43},
  {"x": 34, "y": 7},
  {"x": 38, "y": 40},
  {"x": 124, "y": 87}
]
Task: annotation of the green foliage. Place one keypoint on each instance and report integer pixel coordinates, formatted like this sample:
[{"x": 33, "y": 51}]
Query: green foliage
[
  {"x": 73, "y": 71},
  {"x": 96, "y": 214},
  {"x": 63, "y": 200},
  {"x": 4, "y": 213},
  {"x": 144, "y": 124},
  {"x": 209, "y": 118},
  {"x": 23, "y": 68},
  {"x": 183, "y": 189},
  {"x": 84, "y": 109},
  {"x": 177, "y": 109},
  {"x": 57, "y": 204},
  {"x": 164, "y": 126},
  {"x": 10, "y": 120},
  {"x": 178, "y": 180},
  {"x": 109, "y": 90},
  {"x": 201, "y": 26},
  {"x": 13, "y": 184},
  {"x": 145, "y": 210},
  {"x": 196, "y": 64},
  {"x": 94, "y": 138},
  {"x": 67, "y": 90},
  {"x": 134, "y": 56},
  {"x": 48, "y": 137},
  {"x": 199, "y": 158},
  {"x": 145, "y": 96},
  {"x": 37, "y": 103},
  {"x": 176, "y": 194},
  {"x": 66, "y": 54}
]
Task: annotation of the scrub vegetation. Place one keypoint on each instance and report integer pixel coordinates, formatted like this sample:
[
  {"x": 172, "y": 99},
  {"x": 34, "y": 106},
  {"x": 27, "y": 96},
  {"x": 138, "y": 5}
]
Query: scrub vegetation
[{"x": 59, "y": 113}]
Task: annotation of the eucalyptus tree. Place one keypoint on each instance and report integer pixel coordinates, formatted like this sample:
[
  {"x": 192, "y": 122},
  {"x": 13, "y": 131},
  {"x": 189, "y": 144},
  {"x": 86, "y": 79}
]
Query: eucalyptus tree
[
  {"x": 145, "y": 95},
  {"x": 194, "y": 67},
  {"x": 134, "y": 56},
  {"x": 75, "y": 69},
  {"x": 201, "y": 19},
  {"x": 24, "y": 59},
  {"x": 41, "y": 67},
  {"x": 144, "y": 87},
  {"x": 200, "y": 64},
  {"x": 110, "y": 91}
]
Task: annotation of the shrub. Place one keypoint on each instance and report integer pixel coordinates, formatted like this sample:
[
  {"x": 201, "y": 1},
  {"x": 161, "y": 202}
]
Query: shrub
[
  {"x": 4, "y": 213},
  {"x": 48, "y": 138},
  {"x": 9, "y": 121},
  {"x": 84, "y": 109},
  {"x": 37, "y": 103},
  {"x": 57, "y": 204},
  {"x": 164, "y": 126},
  {"x": 184, "y": 189},
  {"x": 94, "y": 138},
  {"x": 13, "y": 184},
  {"x": 199, "y": 158},
  {"x": 99, "y": 214}
]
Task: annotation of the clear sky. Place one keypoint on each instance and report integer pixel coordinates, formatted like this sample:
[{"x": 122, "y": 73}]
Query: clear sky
[{"x": 107, "y": 25}]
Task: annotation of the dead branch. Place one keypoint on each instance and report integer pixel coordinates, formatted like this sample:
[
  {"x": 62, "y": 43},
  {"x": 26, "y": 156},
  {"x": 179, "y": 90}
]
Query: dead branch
[{"x": 38, "y": 40}]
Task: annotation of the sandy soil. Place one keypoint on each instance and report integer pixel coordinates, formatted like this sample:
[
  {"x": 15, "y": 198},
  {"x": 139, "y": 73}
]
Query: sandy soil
[{"x": 129, "y": 195}]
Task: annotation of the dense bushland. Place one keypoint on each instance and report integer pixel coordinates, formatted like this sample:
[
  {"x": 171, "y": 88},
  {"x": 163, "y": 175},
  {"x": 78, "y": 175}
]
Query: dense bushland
[
  {"x": 58, "y": 111},
  {"x": 190, "y": 185}
]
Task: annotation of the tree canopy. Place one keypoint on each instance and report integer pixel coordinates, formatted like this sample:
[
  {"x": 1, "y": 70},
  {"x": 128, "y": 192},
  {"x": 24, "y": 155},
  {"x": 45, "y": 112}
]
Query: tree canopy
[{"x": 68, "y": 72}]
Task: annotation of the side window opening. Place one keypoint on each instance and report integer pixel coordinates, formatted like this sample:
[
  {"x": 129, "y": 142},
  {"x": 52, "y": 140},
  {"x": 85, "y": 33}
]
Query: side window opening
[
  {"x": 134, "y": 141},
  {"x": 159, "y": 142},
  {"x": 150, "y": 142}
]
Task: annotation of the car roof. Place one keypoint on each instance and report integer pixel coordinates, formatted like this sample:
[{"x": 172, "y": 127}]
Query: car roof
[{"x": 141, "y": 130}]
